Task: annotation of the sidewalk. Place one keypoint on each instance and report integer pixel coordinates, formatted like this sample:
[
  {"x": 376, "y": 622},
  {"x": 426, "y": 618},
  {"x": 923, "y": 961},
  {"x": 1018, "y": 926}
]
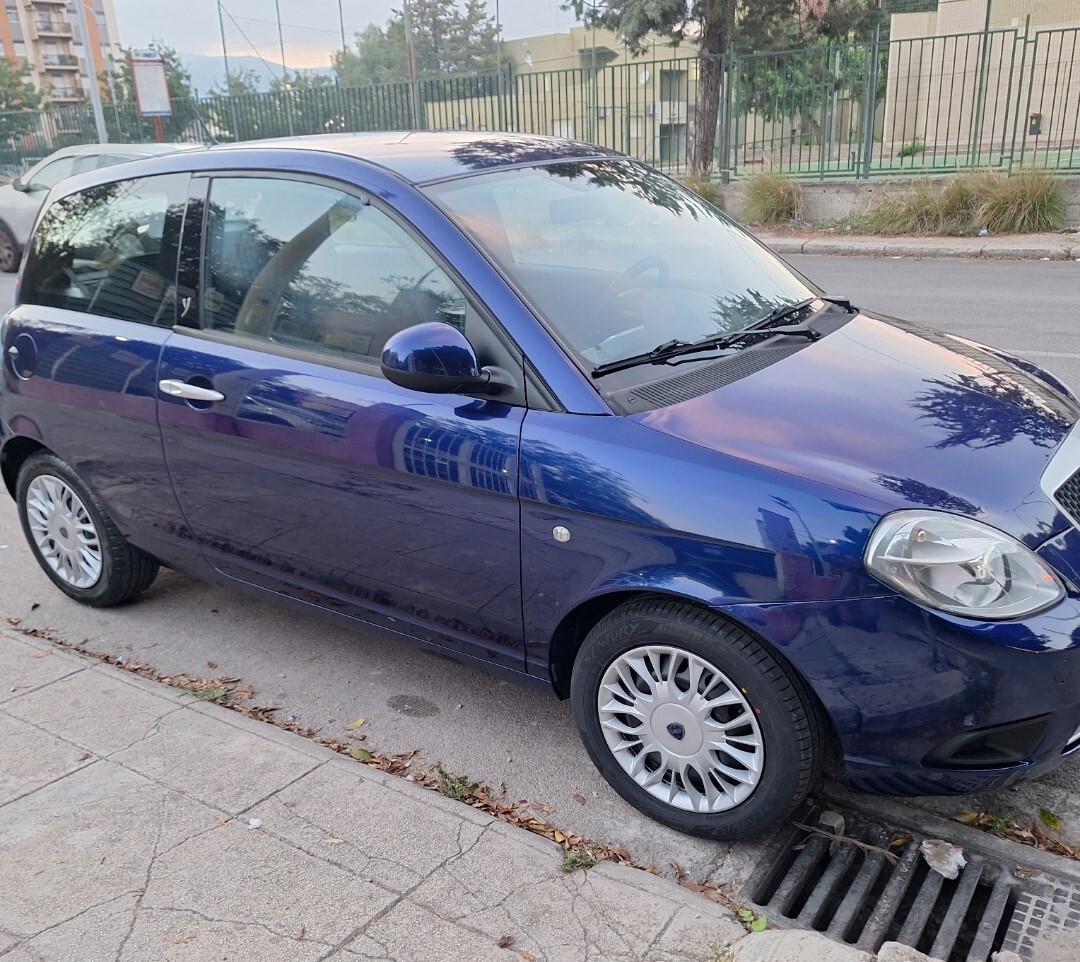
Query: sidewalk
[
  {"x": 138, "y": 824},
  {"x": 124, "y": 827},
  {"x": 1054, "y": 246}
]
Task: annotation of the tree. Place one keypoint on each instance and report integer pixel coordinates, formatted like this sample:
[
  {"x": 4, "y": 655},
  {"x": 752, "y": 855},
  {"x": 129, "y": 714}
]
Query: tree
[
  {"x": 712, "y": 22},
  {"x": 239, "y": 83},
  {"x": 448, "y": 37},
  {"x": 19, "y": 100}
]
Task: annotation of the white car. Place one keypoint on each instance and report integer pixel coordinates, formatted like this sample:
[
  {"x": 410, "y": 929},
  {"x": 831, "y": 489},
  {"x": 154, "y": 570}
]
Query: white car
[{"x": 21, "y": 200}]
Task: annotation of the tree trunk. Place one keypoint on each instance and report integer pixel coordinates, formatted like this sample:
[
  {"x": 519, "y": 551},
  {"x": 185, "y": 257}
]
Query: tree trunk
[{"x": 716, "y": 29}]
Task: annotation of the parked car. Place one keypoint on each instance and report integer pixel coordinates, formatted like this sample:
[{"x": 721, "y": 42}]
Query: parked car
[
  {"x": 21, "y": 200},
  {"x": 539, "y": 406}
]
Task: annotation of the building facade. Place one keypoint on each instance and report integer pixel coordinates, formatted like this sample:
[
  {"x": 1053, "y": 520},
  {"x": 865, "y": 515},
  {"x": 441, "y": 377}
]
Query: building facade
[{"x": 43, "y": 38}]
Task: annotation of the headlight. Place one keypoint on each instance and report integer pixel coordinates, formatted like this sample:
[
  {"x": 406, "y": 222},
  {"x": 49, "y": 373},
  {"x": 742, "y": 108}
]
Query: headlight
[{"x": 958, "y": 565}]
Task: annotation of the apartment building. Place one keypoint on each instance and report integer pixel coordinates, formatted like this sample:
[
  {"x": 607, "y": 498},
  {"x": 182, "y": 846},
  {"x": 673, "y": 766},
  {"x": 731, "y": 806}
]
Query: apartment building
[{"x": 44, "y": 38}]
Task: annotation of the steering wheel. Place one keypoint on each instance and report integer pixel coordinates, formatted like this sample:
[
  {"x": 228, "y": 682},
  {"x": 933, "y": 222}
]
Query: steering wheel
[{"x": 629, "y": 279}]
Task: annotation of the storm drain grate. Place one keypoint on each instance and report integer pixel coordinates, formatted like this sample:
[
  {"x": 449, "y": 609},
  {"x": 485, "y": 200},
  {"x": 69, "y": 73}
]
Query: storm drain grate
[{"x": 860, "y": 897}]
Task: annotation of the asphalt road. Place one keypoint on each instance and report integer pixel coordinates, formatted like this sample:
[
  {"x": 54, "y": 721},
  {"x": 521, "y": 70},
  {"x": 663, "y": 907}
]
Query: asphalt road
[{"x": 328, "y": 676}]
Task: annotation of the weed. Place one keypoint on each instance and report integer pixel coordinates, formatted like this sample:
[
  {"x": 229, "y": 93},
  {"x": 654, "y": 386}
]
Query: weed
[
  {"x": 751, "y": 921},
  {"x": 1030, "y": 200},
  {"x": 452, "y": 785},
  {"x": 772, "y": 199},
  {"x": 218, "y": 694},
  {"x": 581, "y": 856}
]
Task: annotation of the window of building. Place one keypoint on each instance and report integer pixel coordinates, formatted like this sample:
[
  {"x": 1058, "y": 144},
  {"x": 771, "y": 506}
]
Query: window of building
[
  {"x": 311, "y": 267},
  {"x": 110, "y": 250}
]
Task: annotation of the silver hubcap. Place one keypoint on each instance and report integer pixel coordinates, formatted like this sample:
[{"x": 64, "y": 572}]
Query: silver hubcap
[
  {"x": 63, "y": 531},
  {"x": 681, "y": 729}
]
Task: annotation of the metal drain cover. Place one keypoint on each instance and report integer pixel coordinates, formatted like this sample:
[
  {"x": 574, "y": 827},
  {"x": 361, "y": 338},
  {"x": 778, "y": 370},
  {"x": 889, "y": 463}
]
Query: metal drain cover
[{"x": 858, "y": 896}]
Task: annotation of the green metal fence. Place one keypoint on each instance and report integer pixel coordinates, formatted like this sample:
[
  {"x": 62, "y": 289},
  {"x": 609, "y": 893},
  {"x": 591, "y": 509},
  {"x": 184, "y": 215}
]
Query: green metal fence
[{"x": 995, "y": 99}]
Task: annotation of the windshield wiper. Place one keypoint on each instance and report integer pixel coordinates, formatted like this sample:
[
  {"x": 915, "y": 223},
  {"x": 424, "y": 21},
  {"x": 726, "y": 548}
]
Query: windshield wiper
[
  {"x": 672, "y": 349},
  {"x": 763, "y": 327}
]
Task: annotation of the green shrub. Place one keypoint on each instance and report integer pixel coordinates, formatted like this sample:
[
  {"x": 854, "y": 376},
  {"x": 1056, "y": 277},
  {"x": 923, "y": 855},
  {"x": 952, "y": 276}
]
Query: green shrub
[
  {"x": 773, "y": 199},
  {"x": 707, "y": 190},
  {"x": 922, "y": 210},
  {"x": 911, "y": 150}
]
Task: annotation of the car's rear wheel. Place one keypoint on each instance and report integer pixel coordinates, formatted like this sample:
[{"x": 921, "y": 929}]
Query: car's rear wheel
[
  {"x": 73, "y": 538},
  {"x": 9, "y": 251},
  {"x": 694, "y": 721}
]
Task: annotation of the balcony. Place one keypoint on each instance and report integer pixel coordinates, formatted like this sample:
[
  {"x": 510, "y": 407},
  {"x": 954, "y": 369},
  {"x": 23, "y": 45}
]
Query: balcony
[
  {"x": 52, "y": 28},
  {"x": 30, "y": 4},
  {"x": 61, "y": 95},
  {"x": 60, "y": 61}
]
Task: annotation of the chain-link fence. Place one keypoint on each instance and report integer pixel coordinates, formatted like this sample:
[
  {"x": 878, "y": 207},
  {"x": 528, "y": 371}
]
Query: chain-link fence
[{"x": 924, "y": 105}]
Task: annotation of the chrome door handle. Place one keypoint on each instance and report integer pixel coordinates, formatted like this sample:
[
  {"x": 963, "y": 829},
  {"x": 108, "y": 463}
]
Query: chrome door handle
[{"x": 189, "y": 392}]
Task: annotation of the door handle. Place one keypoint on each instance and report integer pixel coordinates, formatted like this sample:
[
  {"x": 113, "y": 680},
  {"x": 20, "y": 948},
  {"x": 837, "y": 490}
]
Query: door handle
[{"x": 190, "y": 392}]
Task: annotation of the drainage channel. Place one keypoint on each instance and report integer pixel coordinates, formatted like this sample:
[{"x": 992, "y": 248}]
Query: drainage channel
[{"x": 860, "y": 896}]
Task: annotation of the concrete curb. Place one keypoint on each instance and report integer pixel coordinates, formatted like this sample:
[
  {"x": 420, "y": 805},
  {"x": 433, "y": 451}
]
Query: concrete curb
[{"x": 993, "y": 248}]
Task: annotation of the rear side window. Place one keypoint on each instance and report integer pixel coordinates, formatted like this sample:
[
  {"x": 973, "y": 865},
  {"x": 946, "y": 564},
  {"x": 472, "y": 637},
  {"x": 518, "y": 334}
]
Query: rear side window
[
  {"x": 110, "y": 250},
  {"x": 311, "y": 267}
]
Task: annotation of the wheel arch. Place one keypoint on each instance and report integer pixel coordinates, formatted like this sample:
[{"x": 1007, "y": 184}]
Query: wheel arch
[
  {"x": 14, "y": 455},
  {"x": 571, "y": 631}
]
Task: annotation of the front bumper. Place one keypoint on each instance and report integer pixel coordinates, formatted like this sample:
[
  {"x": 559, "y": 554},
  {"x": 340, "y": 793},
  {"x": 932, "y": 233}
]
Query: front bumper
[{"x": 899, "y": 681}]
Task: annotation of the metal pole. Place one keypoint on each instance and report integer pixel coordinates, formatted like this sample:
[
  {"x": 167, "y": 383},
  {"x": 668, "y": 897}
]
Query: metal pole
[
  {"x": 341, "y": 23},
  {"x": 284, "y": 69},
  {"x": 977, "y": 120},
  {"x": 870, "y": 111},
  {"x": 410, "y": 58},
  {"x": 95, "y": 90}
]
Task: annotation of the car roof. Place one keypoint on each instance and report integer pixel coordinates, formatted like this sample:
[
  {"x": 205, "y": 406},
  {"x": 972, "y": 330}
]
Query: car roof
[
  {"x": 429, "y": 155},
  {"x": 135, "y": 150}
]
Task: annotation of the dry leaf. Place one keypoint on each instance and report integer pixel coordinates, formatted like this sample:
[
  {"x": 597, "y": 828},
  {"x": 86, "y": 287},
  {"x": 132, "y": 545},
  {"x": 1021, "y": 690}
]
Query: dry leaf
[
  {"x": 334, "y": 841},
  {"x": 579, "y": 798},
  {"x": 211, "y": 665},
  {"x": 182, "y": 939},
  {"x": 505, "y": 942}
]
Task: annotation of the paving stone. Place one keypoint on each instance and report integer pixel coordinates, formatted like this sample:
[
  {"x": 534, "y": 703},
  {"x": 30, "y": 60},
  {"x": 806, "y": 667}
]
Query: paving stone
[
  {"x": 213, "y": 762},
  {"x": 94, "y": 710},
  {"x": 92, "y": 936},
  {"x": 33, "y": 758},
  {"x": 392, "y": 838},
  {"x": 181, "y": 937},
  {"x": 24, "y": 667},
  {"x": 85, "y": 841},
  {"x": 238, "y": 875},
  {"x": 794, "y": 945}
]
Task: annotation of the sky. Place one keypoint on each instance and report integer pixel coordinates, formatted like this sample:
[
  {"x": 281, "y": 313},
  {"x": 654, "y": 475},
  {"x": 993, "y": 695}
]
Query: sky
[{"x": 311, "y": 27}]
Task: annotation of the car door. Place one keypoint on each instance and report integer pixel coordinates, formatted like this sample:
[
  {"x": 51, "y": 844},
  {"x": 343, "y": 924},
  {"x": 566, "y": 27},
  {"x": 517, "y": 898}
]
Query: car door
[
  {"x": 97, "y": 301},
  {"x": 298, "y": 466}
]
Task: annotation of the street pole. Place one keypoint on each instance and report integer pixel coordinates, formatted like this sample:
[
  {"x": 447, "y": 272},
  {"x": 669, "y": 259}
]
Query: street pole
[
  {"x": 95, "y": 90},
  {"x": 228, "y": 76},
  {"x": 410, "y": 57},
  {"x": 284, "y": 69},
  {"x": 341, "y": 23}
]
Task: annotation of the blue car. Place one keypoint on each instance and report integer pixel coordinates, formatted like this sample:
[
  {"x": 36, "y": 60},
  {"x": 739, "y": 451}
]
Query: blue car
[{"x": 537, "y": 405}]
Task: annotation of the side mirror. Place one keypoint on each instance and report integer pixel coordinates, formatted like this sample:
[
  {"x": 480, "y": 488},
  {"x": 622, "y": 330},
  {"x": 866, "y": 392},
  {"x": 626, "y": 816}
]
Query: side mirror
[
  {"x": 21, "y": 185},
  {"x": 435, "y": 358}
]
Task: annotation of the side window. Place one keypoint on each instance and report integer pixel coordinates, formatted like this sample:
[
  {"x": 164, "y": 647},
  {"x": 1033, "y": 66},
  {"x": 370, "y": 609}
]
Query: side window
[
  {"x": 51, "y": 174},
  {"x": 110, "y": 250},
  {"x": 312, "y": 267}
]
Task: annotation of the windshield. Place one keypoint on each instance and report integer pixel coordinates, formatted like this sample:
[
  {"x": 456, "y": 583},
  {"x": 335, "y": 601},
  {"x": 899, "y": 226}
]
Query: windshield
[{"x": 617, "y": 257}]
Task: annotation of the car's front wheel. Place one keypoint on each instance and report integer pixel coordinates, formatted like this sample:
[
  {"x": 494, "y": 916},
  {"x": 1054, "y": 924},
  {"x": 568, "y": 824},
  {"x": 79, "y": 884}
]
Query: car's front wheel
[
  {"x": 694, "y": 721},
  {"x": 73, "y": 538}
]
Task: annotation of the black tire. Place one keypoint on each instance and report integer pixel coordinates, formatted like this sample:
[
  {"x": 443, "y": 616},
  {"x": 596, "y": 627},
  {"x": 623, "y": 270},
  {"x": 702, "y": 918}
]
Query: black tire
[
  {"x": 126, "y": 571},
  {"x": 787, "y": 715},
  {"x": 10, "y": 254}
]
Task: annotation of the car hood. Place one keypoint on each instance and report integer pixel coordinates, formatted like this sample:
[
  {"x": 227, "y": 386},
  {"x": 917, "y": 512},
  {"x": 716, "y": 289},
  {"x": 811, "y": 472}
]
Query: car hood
[{"x": 905, "y": 415}]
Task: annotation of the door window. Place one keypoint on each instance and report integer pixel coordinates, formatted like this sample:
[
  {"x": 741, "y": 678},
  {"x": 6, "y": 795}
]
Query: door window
[
  {"x": 110, "y": 250},
  {"x": 51, "y": 174},
  {"x": 311, "y": 267}
]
